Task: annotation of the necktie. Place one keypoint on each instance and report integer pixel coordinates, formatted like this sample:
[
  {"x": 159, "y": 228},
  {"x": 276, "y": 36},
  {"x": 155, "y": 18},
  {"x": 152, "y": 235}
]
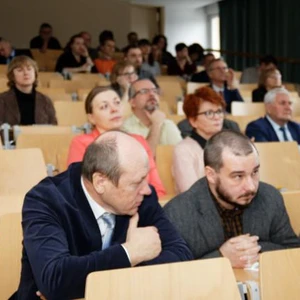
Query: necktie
[
  {"x": 109, "y": 220},
  {"x": 282, "y": 129}
]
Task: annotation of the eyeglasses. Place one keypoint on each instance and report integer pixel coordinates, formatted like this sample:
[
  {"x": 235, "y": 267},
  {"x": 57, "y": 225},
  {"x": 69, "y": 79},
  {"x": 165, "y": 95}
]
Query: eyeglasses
[
  {"x": 210, "y": 114},
  {"x": 128, "y": 74},
  {"x": 147, "y": 91}
]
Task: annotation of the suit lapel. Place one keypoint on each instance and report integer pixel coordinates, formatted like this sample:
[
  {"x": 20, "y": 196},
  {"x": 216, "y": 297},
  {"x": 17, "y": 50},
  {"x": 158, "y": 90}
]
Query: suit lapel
[
  {"x": 270, "y": 128},
  {"x": 12, "y": 107}
]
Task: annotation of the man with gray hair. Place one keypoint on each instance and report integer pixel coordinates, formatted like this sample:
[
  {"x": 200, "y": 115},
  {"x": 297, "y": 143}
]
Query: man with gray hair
[
  {"x": 146, "y": 119},
  {"x": 100, "y": 215},
  {"x": 277, "y": 125},
  {"x": 230, "y": 212}
]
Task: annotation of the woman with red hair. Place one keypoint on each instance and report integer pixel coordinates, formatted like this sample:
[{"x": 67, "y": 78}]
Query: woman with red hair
[{"x": 205, "y": 112}]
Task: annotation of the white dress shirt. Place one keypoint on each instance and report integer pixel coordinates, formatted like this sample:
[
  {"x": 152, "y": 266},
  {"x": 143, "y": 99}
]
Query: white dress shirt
[{"x": 278, "y": 132}]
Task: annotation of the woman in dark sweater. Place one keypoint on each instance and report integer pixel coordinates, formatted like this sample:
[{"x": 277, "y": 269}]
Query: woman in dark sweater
[
  {"x": 268, "y": 80},
  {"x": 22, "y": 104}
]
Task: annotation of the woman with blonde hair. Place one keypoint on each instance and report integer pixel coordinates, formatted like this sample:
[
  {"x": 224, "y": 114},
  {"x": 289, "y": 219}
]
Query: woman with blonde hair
[
  {"x": 105, "y": 112},
  {"x": 22, "y": 104}
]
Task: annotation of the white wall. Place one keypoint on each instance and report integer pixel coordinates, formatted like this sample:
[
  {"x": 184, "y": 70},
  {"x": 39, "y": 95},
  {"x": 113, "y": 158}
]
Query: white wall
[
  {"x": 187, "y": 25},
  {"x": 20, "y": 20}
]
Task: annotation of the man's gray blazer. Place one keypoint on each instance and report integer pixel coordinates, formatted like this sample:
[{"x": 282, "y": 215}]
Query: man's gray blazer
[{"x": 196, "y": 217}]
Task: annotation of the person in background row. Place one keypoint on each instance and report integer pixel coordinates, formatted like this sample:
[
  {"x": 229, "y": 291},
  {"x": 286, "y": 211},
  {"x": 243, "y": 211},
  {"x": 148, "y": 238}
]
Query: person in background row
[
  {"x": 8, "y": 52},
  {"x": 147, "y": 119},
  {"x": 93, "y": 52},
  {"x": 75, "y": 58},
  {"x": 132, "y": 39},
  {"x": 149, "y": 63},
  {"x": 203, "y": 76},
  {"x": 205, "y": 112},
  {"x": 196, "y": 53},
  {"x": 182, "y": 65},
  {"x": 277, "y": 125},
  {"x": 99, "y": 215},
  {"x": 229, "y": 212},
  {"x": 222, "y": 80},
  {"x": 161, "y": 42},
  {"x": 251, "y": 75},
  {"x": 105, "y": 62},
  {"x": 268, "y": 80},
  {"x": 22, "y": 104},
  {"x": 45, "y": 40},
  {"x": 105, "y": 112}
]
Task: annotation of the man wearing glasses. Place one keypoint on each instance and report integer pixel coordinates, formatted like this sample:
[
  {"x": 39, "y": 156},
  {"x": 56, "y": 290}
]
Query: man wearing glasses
[
  {"x": 146, "y": 119},
  {"x": 223, "y": 81}
]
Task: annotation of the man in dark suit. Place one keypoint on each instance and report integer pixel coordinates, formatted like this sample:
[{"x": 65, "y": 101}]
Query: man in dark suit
[
  {"x": 230, "y": 212},
  {"x": 222, "y": 80},
  {"x": 7, "y": 52},
  {"x": 203, "y": 76},
  {"x": 96, "y": 216},
  {"x": 276, "y": 126}
]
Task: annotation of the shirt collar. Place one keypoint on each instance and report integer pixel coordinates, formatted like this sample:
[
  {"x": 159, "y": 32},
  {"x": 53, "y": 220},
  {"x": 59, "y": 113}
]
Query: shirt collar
[
  {"x": 275, "y": 125},
  {"x": 198, "y": 138},
  {"x": 97, "y": 209},
  {"x": 217, "y": 89}
]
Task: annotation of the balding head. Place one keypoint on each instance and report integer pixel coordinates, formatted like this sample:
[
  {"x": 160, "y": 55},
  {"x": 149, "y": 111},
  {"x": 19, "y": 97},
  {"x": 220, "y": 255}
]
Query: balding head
[{"x": 111, "y": 155}]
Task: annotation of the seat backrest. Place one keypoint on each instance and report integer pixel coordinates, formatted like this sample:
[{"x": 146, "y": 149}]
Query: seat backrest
[
  {"x": 3, "y": 69},
  {"x": 247, "y": 86},
  {"x": 280, "y": 164},
  {"x": 56, "y": 94},
  {"x": 71, "y": 86},
  {"x": 208, "y": 279},
  {"x": 70, "y": 113},
  {"x": 20, "y": 170},
  {"x": 164, "y": 154},
  {"x": 46, "y": 60},
  {"x": 247, "y": 109},
  {"x": 11, "y": 204},
  {"x": 292, "y": 204},
  {"x": 193, "y": 86},
  {"x": 45, "y": 77},
  {"x": 50, "y": 144},
  {"x": 279, "y": 274},
  {"x": 242, "y": 121},
  {"x": 10, "y": 253}
]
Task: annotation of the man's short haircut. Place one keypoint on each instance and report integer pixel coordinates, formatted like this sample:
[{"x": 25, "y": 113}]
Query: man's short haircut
[
  {"x": 17, "y": 62},
  {"x": 102, "y": 157},
  {"x": 179, "y": 47},
  {"x": 128, "y": 48},
  {"x": 105, "y": 35},
  {"x": 144, "y": 42},
  {"x": 130, "y": 34},
  {"x": 237, "y": 143},
  {"x": 271, "y": 94},
  {"x": 132, "y": 90},
  {"x": 45, "y": 25},
  {"x": 268, "y": 59}
]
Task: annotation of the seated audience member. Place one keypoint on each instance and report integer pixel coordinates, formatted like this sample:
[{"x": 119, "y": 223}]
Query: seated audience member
[
  {"x": 22, "y": 104},
  {"x": 98, "y": 215},
  {"x": 222, "y": 80},
  {"x": 107, "y": 35},
  {"x": 133, "y": 55},
  {"x": 75, "y": 58},
  {"x": 229, "y": 212},
  {"x": 149, "y": 63},
  {"x": 196, "y": 53},
  {"x": 7, "y": 52},
  {"x": 104, "y": 111},
  {"x": 93, "y": 53},
  {"x": 251, "y": 75},
  {"x": 205, "y": 112},
  {"x": 268, "y": 79},
  {"x": 182, "y": 65},
  {"x": 203, "y": 76},
  {"x": 277, "y": 125},
  {"x": 105, "y": 62},
  {"x": 45, "y": 40},
  {"x": 122, "y": 76},
  {"x": 146, "y": 119},
  {"x": 132, "y": 39},
  {"x": 161, "y": 42}
]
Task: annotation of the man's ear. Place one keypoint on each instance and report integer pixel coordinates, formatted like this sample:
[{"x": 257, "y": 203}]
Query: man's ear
[
  {"x": 99, "y": 181},
  {"x": 210, "y": 174}
]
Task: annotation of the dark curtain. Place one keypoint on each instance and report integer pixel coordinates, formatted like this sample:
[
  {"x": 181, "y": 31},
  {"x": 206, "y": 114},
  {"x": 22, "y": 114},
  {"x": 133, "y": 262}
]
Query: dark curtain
[{"x": 261, "y": 27}]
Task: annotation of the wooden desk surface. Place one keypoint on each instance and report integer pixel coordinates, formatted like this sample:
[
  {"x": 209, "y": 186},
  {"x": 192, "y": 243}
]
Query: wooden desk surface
[{"x": 244, "y": 275}]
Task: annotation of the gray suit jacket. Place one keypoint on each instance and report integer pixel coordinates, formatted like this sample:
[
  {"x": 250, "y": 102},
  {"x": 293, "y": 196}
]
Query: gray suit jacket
[{"x": 196, "y": 217}]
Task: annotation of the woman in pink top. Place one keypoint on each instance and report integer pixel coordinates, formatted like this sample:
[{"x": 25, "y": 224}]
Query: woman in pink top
[{"x": 104, "y": 110}]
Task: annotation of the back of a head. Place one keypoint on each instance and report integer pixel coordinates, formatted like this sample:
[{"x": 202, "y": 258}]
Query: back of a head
[
  {"x": 45, "y": 25},
  {"x": 237, "y": 143},
  {"x": 144, "y": 42},
  {"x": 128, "y": 48},
  {"x": 268, "y": 59},
  {"x": 105, "y": 35},
  {"x": 179, "y": 47},
  {"x": 270, "y": 96}
]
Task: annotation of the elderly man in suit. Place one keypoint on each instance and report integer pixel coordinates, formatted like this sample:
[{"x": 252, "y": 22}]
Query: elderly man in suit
[
  {"x": 230, "y": 212},
  {"x": 276, "y": 126},
  {"x": 96, "y": 216}
]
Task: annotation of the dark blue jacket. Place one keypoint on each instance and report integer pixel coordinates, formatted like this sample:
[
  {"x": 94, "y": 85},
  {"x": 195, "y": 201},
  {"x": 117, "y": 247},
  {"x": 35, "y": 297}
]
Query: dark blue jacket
[
  {"x": 62, "y": 241},
  {"x": 262, "y": 130}
]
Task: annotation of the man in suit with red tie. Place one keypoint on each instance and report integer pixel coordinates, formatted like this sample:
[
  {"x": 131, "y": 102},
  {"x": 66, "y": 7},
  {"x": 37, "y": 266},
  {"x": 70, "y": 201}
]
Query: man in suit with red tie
[{"x": 98, "y": 215}]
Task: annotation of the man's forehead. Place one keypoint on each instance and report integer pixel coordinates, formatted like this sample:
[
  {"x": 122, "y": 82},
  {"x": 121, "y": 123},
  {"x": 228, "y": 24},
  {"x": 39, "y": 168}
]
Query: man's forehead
[
  {"x": 135, "y": 51},
  {"x": 282, "y": 96},
  {"x": 142, "y": 84}
]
